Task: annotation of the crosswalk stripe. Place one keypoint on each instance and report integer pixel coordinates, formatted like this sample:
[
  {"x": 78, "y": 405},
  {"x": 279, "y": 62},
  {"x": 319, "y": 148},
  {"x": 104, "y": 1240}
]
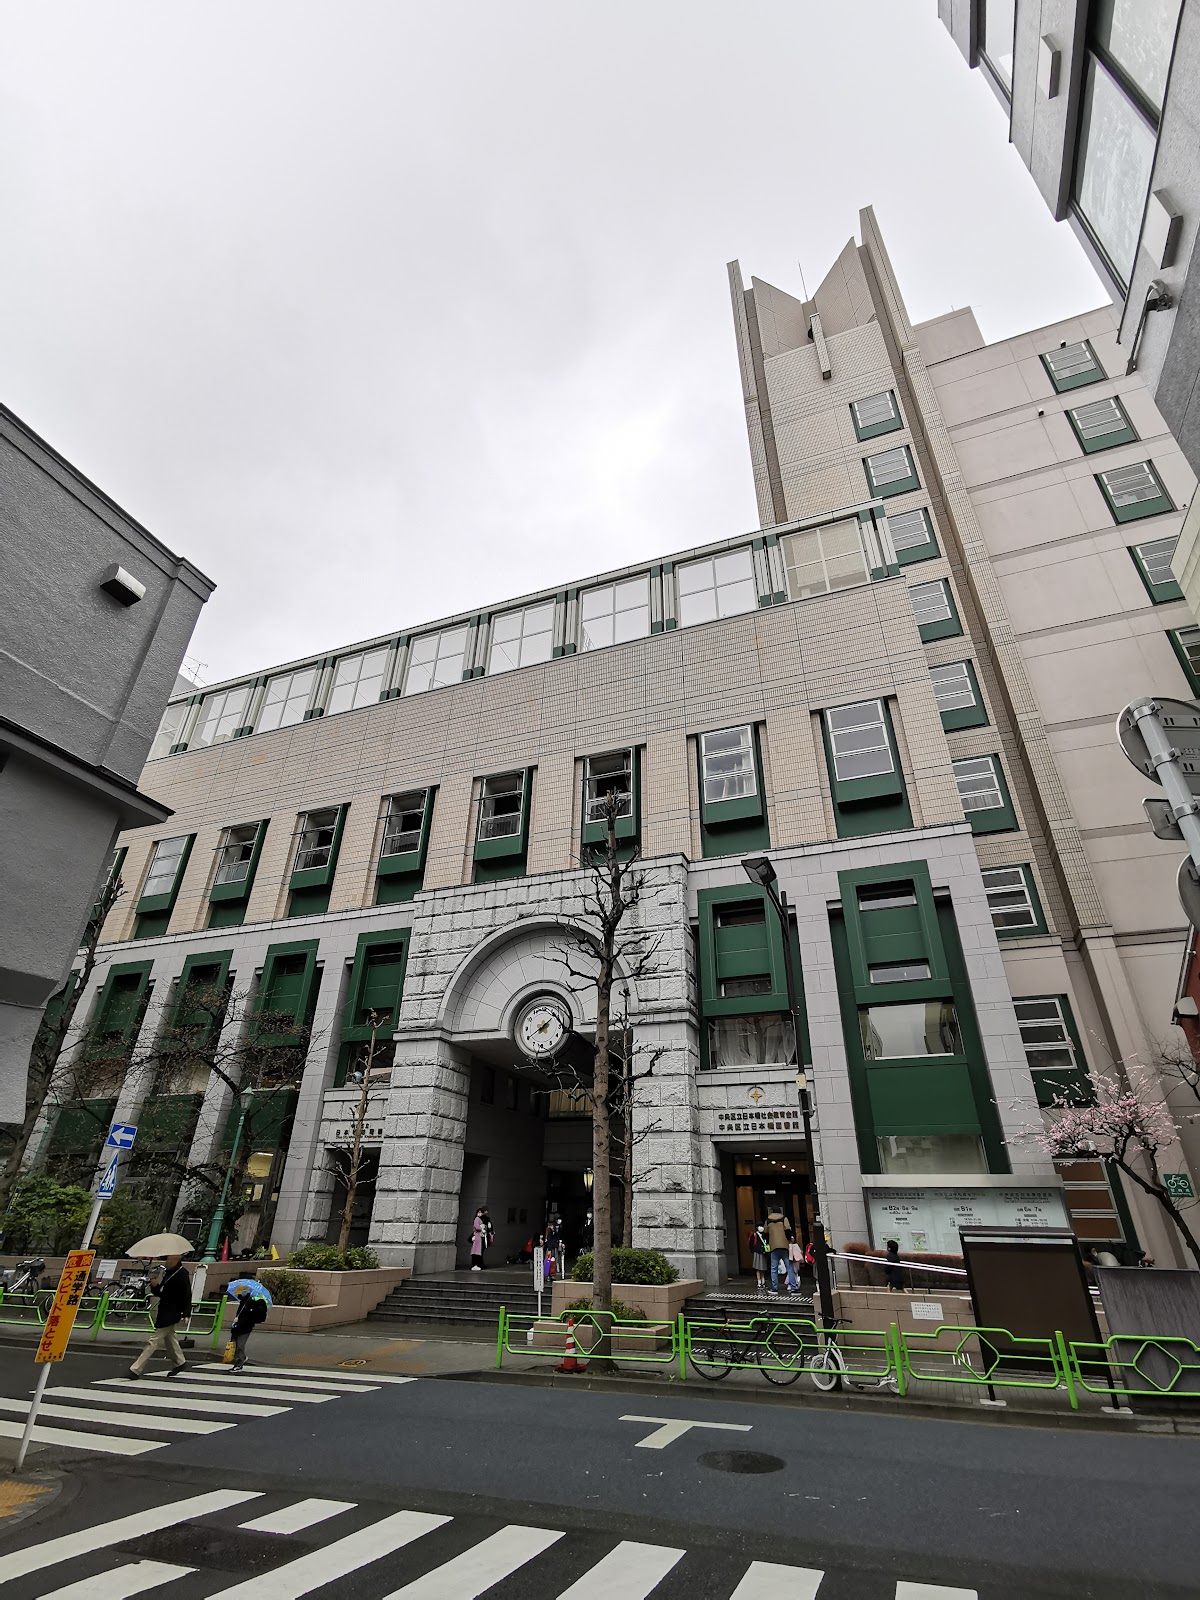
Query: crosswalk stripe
[
  {"x": 122, "y": 1582},
  {"x": 160, "y": 1402},
  {"x": 108, "y": 1444},
  {"x": 127, "y": 1419},
  {"x": 766, "y": 1580},
  {"x": 309, "y": 1572},
  {"x": 477, "y": 1569},
  {"x": 627, "y": 1573},
  {"x": 304, "y": 1514},
  {"x": 237, "y": 1390},
  {"x": 269, "y": 1381},
  {"x": 36, "y": 1557},
  {"x": 906, "y": 1590},
  {"x": 352, "y": 1380}
]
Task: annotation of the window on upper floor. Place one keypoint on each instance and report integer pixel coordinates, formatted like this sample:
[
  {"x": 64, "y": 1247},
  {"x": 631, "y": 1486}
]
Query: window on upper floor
[
  {"x": 357, "y": 681},
  {"x": 1153, "y": 561},
  {"x": 614, "y": 612},
  {"x": 1072, "y": 366},
  {"x": 891, "y": 472},
  {"x": 522, "y": 638},
  {"x": 1133, "y": 492},
  {"x": 404, "y": 823},
  {"x": 1012, "y": 901},
  {"x": 604, "y": 776},
  {"x": 859, "y": 741},
  {"x": 727, "y": 765},
  {"x": 436, "y": 660},
  {"x": 983, "y": 793},
  {"x": 716, "y": 586},
  {"x": 1113, "y": 162},
  {"x": 997, "y": 35},
  {"x": 818, "y": 560},
  {"x": 877, "y": 414},
  {"x": 953, "y": 686},
  {"x": 1044, "y": 1033},
  {"x": 221, "y": 716},
  {"x": 169, "y": 730},
  {"x": 912, "y": 535},
  {"x": 317, "y": 832},
  {"x": 1137, "y": 37},
  {"x": 501, "y": 806},
  {"x": 1100, "y": 424},
  {"x": 885, "y": 896},
  {"x": 164, "y": 866},
  {"x": 286, "y": 700},
  {"x": 1186, "y": 644},
  {"x": 235, "y": 853},
  {"x": 919, "y": 1028},
  {"x": 933, "y": 608}
]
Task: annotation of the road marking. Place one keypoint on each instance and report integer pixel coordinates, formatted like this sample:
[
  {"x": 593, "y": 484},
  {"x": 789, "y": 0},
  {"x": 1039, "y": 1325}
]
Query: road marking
[
  {"x": 238, "y": 1391},
  {"x": 35, "y": 1558},
  {"x": 127, "y": 1419},
  {"x": 121, "y": 1582},
  {"x": 765, "y": 1580},
  {"x": 109, "y": 1444},
  {"x": 335, "y": 1561},
  {"x": 479, "y": 1568},
  {"x": 672, "y": 1429},
  {"x": 304, "y": 1514},
  {"x": 335, "y": 1374},
  {"x": 932, "y": 1591},
  {"x": 270, "y": 1380},
  {"x": 627, "y": 1573},
  {"x": 162, "y": 1403}
]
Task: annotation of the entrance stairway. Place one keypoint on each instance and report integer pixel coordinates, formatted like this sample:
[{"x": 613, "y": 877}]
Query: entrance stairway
[
  {"x": 470, "y": 1299},
  {"x": 739, "y": 1301}
]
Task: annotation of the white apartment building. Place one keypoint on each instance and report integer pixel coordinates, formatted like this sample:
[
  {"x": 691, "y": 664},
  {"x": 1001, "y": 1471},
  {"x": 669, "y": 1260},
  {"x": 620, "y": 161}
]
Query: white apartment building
[{"x": 901, "y": 686}]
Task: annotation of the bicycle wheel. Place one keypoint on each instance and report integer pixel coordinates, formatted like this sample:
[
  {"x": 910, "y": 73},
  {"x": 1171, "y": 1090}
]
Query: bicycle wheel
[
  {"x": 712, "y": 1359},
  {"x": 781, "y": 1359},
  {"x": 827, "y": 1368}
]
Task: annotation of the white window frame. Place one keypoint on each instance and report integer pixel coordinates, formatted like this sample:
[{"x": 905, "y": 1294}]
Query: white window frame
[
  {"x": 170, "y": 729},
  {"x": 533, "y": 639},
  {"x": 1188, "y": 640},
  {"x": 857, "y": 722},
  {"x": 905, "y": 457},
  {"x": 806, "y": 539},
  {"x": 726, "y": 581},
  {"x": 744, "y": 774},
  {"x": 233, "y": 851},
  {"x": 979, "y": 799},
  {"x": 490, "y": 820},
  {"x": 906, "y": 518},
  {"x": 1095, "y": 419},
  {"x": 286, "y": 694},
  {"x": 621, "y": 605},
  {"x": 412, "y": 802},
  {"x": 1075, "y": 360},
  {"x": 950, "y": 693},
  {"x": 164, "y": 865},
  {"x": 1018, "y": 881},
  {"x": 595, "y": 798},
  {"x": 350, "y": 672},
  {"x": 223, "y": 712},
  {"x": 922, "y": 597},
  {"x": 1056, "y": 1019},
  {"x": 308, "y": 843},
  {"x": 446, "y": 662},
  {"x": 892, "y": 414},
  {"x": 1157, "y": 566},
  {"x": 1133, "y": 492}
]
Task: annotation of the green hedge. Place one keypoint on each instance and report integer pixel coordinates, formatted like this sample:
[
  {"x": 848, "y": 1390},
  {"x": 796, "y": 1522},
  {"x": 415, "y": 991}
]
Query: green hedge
[
  {"x": 630, "y": 1266},
  {"x": 286, "y": 1288},
  {"x": 328, "y": 1258}
]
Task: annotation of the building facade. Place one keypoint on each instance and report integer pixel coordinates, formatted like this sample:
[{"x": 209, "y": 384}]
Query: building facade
[
  {"x": 96, "y": 617},
  {"x": 1103, "y": 101},
  {"x": 901, "y": 687}
]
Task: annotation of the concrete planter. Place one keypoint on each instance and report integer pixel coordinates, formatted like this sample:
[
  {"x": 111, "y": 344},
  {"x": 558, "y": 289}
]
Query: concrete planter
[
  {"x": 660, "y": 1302},
  {"x": 336, "y": 1298}
]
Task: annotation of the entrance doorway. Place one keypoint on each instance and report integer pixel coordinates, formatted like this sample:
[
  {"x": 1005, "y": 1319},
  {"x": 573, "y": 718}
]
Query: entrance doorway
[{"x": 759, "y": 1183}]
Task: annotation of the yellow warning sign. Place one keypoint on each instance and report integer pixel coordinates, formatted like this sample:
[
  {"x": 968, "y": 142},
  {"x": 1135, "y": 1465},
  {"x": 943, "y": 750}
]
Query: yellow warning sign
[{"x": 60, "y": 1318}]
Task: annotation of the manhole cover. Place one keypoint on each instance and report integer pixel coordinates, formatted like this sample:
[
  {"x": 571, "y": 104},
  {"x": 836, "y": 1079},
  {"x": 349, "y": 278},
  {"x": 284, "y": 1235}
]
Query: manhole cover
[{"x": 742, "y": 1461}]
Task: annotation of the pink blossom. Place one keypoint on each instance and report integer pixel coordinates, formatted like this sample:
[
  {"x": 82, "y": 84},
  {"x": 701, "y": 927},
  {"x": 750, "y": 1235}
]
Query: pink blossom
[{"x": 1123, "y": 1118}]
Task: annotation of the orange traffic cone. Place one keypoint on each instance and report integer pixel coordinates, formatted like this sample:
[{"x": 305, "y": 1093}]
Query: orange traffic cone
[{"x": 569, "y": 1362}]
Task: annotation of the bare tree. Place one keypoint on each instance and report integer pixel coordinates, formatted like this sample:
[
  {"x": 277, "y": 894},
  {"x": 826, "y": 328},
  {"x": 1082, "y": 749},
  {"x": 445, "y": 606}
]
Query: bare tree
[
  {"x": 346, "y": 1158},
  {"x": 626, "y": 1137},
  {"x": 54, "y": 1032}
]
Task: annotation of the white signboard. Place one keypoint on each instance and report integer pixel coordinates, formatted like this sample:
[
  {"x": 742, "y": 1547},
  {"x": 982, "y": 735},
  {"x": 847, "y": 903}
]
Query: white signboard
[
  {"x": 929, "y": 1219},
  {"x": 926, "y": 1310}
]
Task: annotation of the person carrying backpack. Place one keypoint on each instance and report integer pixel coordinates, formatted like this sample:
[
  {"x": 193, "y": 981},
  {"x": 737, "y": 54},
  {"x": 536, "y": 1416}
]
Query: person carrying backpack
[{"x": 252, "y": 1310}]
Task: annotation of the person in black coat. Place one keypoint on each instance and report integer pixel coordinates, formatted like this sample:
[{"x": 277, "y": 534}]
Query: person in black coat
[
  {"x": 252, "y": 1309},
  {"x": 174, "y": 1294}
]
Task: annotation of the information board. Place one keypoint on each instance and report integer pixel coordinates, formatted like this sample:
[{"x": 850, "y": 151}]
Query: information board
[{"x": 60, "y": 1318}]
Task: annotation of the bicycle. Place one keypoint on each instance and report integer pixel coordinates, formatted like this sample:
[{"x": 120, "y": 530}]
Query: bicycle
[
  {"x": 130, "y": 1298},
  {"x": 775, "y": 1347},
  {"x": 828, "y": 1370},
  {"x": 25, "y": 1277}
]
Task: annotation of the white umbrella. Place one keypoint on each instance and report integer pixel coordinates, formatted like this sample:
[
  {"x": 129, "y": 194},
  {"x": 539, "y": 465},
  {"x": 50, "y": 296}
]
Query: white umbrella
[{"x": 161, "y": 1244}]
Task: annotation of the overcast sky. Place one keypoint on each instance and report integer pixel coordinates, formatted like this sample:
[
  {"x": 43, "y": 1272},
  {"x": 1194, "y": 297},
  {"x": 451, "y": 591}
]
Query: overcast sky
[{"x": 378, "y": 311}]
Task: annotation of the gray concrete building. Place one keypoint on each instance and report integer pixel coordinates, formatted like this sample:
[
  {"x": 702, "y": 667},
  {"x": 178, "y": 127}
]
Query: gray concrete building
[
  {"x": 95, "y": 618},
  {"x": 900, "y": 685}
]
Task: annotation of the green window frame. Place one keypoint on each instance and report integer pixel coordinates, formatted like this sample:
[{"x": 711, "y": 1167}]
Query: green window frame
[
  {"x": 934, "y": 610},
  {"x": 740, "y": 960},
  {"x": 912, "y": 536},
  {"x": 502, "y": 830},
  {"x": 202, "y": 1025},
  {"x": 404, "y": 845},
  {"x": 1152, "y": 558},
  {"x": 160, "y": 888},
  {"x": 286, "y": 990},
  {"x": 120, "y": 1007},
  {"x": 983, "y": 791},
  {"x": 1134, "y": 491},
  {"x": 238, "y": 851},
  {"x": 376, "y": 983},
  {"x": 891, "y": 472},
  {"x": 733, "y": 806},
  {"x": 1072, "y": 366},
  {"x": 1101, "y": 424},
  {"x": 1013, "y": 901},
  {"x": 959, "y": 700},
  {"x": 866, "y": 781},
  {"x": 1186, "y": 644},
  {"x": 616, "y": 771},
  {"x": 109, "y": 874},
  {"x": 1053, "y": 1048},
  {"x": 875, "y": 414},
  {"x": 314, "y": 862}
]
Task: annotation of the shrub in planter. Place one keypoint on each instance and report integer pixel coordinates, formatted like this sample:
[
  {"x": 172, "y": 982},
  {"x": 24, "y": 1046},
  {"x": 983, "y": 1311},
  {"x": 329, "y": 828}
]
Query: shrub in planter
[
  {"x": 359, "y": 1259},
  {"x": 286, "y": 1288},
  {"x": 620, "y": 1310},
  {"x": 630, "y": 1266},
  {"x": 317, "y": 1258}
]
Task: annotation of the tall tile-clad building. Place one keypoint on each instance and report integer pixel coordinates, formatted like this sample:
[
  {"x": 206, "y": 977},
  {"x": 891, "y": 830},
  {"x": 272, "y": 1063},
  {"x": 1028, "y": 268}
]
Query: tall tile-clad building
[{"x": 901, "y": 686}]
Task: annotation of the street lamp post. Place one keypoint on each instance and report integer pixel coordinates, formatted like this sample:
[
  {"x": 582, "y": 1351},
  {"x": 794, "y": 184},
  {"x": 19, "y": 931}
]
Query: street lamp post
[
  {"x": 759, "y": 870},
  {"x": 218, "y": 1221}
]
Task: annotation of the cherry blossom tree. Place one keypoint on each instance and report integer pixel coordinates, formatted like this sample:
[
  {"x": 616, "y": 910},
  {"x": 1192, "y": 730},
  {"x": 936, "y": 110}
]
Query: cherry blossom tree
[{"x": 1128, "y": 1124}]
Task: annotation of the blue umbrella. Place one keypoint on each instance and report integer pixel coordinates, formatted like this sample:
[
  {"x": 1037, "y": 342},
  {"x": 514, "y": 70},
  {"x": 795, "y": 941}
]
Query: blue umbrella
[{"x": 250, "y": 1286}]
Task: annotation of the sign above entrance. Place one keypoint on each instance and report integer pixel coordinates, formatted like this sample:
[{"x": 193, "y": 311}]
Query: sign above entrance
[
  {"x": 929, "y": 1219},
  {"x": 756, "y": 1122}
]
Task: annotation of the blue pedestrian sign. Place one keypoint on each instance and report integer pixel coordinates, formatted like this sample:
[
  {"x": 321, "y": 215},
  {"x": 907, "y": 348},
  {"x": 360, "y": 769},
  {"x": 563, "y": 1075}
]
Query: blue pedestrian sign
[
  {"x": 121, "y": 1135},
  {"x": 108, "y": 1181}
]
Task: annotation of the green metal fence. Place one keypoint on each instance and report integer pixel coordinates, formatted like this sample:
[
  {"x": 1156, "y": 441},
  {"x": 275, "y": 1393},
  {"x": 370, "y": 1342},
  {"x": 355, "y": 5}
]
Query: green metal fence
[
  {"x": 980, "y": 1357},
  {"x": 1132, "y": 1364},
  {"x": 654, "y": 1344}
]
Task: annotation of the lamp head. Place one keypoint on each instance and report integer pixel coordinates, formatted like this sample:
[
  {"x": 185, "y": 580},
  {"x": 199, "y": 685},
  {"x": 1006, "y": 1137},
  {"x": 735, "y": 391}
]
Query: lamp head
[{"x": 759, "y": 870}]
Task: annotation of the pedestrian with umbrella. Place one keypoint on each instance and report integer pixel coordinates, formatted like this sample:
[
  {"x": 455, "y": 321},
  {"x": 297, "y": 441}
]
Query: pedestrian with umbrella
[
  {"x": 173, "y": 1291},
  {"x": 253, "y": 1300}
]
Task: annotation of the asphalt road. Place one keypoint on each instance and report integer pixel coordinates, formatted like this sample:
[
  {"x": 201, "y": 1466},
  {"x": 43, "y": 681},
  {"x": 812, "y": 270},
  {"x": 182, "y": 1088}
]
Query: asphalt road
[{"x": 868, "y": 1499}]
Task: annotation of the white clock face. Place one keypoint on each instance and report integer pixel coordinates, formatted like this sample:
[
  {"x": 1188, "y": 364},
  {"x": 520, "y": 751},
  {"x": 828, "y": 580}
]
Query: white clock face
[{"x": 542, "y": 1027}]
